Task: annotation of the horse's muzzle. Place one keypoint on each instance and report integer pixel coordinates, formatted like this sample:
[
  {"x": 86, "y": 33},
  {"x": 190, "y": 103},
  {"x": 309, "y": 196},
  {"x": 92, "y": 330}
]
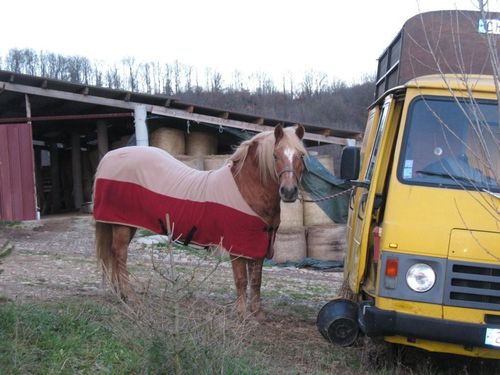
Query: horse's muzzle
[{"x": 289, "y": 194}]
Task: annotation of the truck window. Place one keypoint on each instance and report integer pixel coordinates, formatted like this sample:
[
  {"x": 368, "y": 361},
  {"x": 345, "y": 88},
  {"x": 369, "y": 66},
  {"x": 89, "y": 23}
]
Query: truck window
[
  {"x": 378, "y": 137},
  {"x": 451, "y": 144}
]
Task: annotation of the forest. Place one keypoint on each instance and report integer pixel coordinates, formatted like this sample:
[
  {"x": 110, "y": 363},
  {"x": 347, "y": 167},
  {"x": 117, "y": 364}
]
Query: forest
[{"x": 314, "y": 99}]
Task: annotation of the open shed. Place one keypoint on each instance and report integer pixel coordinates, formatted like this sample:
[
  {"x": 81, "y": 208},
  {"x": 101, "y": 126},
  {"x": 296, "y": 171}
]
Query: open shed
[{"x": 53, "y": 133}]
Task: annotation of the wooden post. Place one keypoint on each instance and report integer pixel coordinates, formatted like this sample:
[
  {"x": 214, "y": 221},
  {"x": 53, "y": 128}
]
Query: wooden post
[
  {"x": 102, "y": 139},
  {"x": 54, "y": 177},
  {"x": 76, "y": 160}
]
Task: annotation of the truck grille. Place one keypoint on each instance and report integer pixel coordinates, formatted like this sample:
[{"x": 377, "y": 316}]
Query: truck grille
[{"x": 472, "y": 285}]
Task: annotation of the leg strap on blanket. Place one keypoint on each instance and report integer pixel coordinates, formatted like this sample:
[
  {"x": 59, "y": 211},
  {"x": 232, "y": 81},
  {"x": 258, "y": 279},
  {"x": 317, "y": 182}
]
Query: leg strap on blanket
[
  {"x": 271, "y": 231},
  {"x": 189, "y": 236}
]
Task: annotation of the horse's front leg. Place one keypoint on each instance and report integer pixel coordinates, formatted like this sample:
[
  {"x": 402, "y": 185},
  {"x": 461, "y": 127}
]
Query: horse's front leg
[
  {"x": 240, "y": 281},
  {"x": 255, "y": 274}
]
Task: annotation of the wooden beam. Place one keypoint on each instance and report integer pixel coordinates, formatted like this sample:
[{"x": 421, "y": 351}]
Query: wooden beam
[
  {"x": 28, "y": 107},
  {"x": 160, "y": 110},
  {"x": 12, "y": 120}
]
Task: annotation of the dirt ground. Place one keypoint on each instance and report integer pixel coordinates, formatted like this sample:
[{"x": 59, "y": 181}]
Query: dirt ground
[{"x": 53, "y": 259}]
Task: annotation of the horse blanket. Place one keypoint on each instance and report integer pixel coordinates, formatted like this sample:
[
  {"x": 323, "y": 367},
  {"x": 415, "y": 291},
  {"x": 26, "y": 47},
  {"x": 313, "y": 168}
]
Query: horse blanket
[{"x": 139, "y": 186}]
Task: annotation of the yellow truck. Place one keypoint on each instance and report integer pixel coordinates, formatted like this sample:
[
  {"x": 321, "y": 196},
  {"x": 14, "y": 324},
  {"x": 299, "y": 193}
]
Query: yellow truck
[{"x": 422, "y": 265}]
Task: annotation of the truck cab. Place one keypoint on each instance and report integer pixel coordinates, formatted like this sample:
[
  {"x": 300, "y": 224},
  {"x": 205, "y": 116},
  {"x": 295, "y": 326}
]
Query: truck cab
[{"x": 422, "y": 265}]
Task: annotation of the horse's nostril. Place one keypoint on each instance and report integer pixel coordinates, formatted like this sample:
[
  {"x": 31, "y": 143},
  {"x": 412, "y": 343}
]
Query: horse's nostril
[{"x": 282, "y": 190}]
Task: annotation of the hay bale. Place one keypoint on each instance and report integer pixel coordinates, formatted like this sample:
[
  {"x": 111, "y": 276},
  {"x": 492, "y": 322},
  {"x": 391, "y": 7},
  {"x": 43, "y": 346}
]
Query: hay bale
[
  {"x": 195, "y": 162},
  {"x": 215, "y": 161},
  {"x": 326, "y": 242},
  {"x": 327, "y": 162},
  {"x": 201, "y": 143},
  {"x": 292, "y": 214},
  {"x": 313, "y": 214},
  {"x": 168, "y": 139},
  {"x": 290, "y": 245}
]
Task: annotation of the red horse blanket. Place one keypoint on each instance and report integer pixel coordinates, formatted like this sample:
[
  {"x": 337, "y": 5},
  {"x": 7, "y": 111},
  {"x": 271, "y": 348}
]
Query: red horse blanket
[{"x": 138, "y": 186}]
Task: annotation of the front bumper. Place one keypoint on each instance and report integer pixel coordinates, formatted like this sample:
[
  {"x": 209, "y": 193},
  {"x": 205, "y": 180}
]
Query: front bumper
[{"x": 376, "y": 322}]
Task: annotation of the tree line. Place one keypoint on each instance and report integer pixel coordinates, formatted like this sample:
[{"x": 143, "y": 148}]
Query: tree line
[{"x": 315, "y": 98}]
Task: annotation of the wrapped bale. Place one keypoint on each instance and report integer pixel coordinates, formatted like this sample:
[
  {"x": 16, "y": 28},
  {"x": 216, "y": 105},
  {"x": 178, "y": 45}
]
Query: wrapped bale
[
  {"x": 200, "y": 143},
  {"x": 326, "y": 242},
  {"x": 215, "y": 161},
  {"x": 313, "y": 214},
  {"x": 290, "y": 245},
  {"x": 170, "y": 140},
  {"x": 292, "y": 215},
  {"x": 195, "y": 162}
]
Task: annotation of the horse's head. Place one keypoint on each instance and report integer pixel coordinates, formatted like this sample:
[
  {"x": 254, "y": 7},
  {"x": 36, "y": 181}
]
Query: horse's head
[{"x": 288, "y": 163}]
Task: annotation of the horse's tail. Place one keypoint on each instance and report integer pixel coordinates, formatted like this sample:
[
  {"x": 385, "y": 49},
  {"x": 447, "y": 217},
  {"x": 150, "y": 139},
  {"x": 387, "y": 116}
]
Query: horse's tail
[{"x": 103, "y": 241}]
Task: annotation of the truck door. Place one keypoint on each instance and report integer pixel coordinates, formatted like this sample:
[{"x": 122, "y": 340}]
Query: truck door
[{"x": 371, "y": 181}]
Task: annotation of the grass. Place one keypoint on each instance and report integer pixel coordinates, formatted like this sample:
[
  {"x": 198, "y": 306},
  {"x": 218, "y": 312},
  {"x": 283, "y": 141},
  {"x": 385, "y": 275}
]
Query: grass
[
  {"x": 61, "y": 338},
  {"x": 98, "y": 338}
]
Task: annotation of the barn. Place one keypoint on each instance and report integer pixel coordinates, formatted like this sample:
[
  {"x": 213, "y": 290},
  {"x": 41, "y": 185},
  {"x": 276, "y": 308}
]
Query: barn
[{"x": 53, "y": 133}]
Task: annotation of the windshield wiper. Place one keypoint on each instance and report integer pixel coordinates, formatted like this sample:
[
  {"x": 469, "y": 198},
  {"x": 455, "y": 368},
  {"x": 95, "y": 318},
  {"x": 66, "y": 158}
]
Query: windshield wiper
[{"x": 448, "y": 176}]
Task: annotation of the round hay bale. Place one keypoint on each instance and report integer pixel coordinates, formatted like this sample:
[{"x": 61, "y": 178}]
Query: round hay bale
[
  {"x": 326, "y": 242},
  {"x": 170, "y": 140},
  {"x": 195, "y": 162},
  {"x": 292, "y": 214},
  {"x": 215, "y": 161},
  {"x": 313, "y": 214},
  {"x": 290, "y": 245},
  {"x": 327, "y": 162},
  {"x": 200, "y": 143}
]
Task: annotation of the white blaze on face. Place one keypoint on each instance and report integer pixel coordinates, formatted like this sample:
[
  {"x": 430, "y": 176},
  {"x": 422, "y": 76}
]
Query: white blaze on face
[{"x": 289, "y": 153}]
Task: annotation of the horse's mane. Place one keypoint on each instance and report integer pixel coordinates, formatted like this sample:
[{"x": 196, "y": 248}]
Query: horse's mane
[{"x": 265, "y": 148}]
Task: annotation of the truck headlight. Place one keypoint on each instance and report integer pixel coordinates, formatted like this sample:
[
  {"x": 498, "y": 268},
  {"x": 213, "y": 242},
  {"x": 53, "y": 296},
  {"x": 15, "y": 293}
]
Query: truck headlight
[{"x": 420, "y": 277}]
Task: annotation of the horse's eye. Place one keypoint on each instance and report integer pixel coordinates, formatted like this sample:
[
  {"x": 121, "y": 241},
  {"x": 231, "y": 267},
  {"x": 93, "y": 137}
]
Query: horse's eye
[{"x": 275, "y": 157}]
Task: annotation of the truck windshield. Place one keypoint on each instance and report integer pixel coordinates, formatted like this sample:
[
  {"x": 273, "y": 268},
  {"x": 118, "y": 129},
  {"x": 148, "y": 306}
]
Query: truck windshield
[{"x": 452, "y": 144}]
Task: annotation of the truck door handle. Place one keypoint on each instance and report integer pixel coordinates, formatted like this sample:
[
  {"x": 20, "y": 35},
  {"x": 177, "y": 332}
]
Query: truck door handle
[{"x": 362, "y": 204}]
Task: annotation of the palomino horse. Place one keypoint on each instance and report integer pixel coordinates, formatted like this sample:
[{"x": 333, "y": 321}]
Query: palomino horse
[{"x": 236, "y": 206}]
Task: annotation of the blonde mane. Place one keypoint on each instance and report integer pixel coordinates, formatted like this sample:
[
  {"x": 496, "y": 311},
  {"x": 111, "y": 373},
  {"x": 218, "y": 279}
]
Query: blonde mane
[{"x": 265, "y": 150}]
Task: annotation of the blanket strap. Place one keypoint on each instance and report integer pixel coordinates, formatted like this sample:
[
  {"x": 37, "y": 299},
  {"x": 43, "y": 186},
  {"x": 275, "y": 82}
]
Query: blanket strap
[
  {"x": 190, "y": 235},
  {"x": 271, "y": 231}
]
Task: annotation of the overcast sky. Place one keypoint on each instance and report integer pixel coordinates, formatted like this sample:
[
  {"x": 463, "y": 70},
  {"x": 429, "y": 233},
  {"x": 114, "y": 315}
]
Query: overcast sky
[{"x": 281, "y": 38}]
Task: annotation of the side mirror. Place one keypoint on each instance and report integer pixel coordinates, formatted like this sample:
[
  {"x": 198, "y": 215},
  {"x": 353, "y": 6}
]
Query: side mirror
[{"x": 350, "y": 163}]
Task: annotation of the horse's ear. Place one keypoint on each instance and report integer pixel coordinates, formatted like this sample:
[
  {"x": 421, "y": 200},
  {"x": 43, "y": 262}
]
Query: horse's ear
[
  {"x": 278, "y": 133},
  {"x": 299, "y": 131}
]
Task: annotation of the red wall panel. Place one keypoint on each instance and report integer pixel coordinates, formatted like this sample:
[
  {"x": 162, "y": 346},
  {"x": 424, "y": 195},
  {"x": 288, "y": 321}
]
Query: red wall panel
[{"x": 17, "y": 182}]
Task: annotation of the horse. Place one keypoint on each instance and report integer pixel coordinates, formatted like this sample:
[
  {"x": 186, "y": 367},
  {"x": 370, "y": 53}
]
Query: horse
[{"x": 236, "y": 206}]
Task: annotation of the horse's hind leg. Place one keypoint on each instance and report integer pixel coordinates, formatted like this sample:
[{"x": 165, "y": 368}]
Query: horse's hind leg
[
  {"x": 240, "y": 280},
  {"x": 122, "y": 235},
  {"x": 255, "y": 274}
]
